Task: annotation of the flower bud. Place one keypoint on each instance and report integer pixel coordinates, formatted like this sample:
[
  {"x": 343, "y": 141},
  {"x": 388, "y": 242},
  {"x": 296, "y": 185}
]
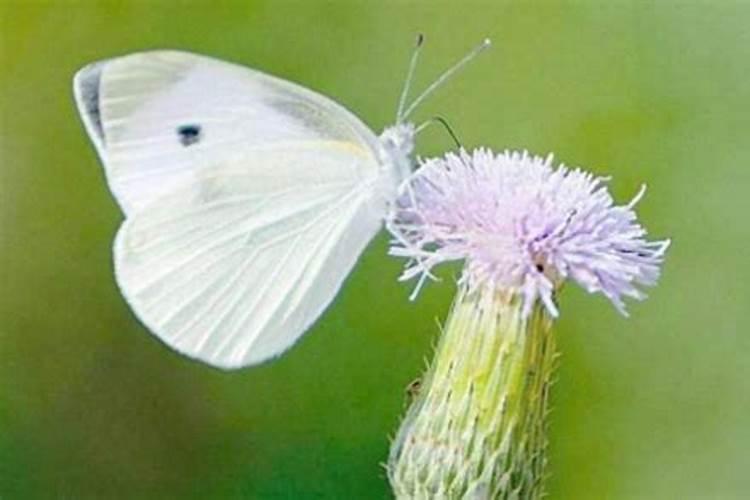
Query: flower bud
[{"x": 477, "y": 427}]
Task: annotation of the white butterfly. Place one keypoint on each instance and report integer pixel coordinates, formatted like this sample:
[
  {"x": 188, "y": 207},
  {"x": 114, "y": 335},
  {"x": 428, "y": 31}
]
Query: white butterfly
[{"x": 247, "y": 198}]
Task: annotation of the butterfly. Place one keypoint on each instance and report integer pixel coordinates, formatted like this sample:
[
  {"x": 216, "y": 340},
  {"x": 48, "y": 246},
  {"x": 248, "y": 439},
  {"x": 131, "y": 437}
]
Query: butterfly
[{"x": 247, "y": 198}]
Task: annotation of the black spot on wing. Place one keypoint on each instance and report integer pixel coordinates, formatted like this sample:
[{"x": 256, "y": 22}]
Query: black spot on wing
[{"x": 189, "y": 134}]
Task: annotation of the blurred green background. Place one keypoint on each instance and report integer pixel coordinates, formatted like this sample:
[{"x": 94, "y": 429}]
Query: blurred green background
[{"x": 655, "y": 406}]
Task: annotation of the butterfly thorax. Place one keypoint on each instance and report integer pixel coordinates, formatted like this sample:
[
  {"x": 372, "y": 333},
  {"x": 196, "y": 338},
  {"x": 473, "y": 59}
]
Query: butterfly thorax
[{"x": 397, "y": 143}]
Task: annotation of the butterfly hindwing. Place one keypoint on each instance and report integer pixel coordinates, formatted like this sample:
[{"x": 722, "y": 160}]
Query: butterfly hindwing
[{"x": 232, "y": 271}]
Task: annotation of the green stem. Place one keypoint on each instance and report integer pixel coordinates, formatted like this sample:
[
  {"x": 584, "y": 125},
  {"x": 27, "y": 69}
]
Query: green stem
[{"x": 477, "y": 427}]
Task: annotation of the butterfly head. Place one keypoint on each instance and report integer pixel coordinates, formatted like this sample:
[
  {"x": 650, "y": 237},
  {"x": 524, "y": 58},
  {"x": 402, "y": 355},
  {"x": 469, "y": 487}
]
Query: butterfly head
[{"x": 397, "y": 142}]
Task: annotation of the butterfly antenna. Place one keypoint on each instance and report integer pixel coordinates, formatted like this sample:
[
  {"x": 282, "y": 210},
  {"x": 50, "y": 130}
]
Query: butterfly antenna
[
  {"x": 447, "y": 74},
  {"x": 409, "y": 77},
  {"x": 442, "y": 121}
]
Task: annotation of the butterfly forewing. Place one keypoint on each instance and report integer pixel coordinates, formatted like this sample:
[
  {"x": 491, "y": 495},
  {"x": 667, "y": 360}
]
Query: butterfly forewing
[{"x": 157, "y": 117}]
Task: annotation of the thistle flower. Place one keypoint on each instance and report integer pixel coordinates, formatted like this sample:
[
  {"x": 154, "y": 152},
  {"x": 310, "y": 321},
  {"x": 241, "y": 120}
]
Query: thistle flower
[{"x": 476, "y": 430}]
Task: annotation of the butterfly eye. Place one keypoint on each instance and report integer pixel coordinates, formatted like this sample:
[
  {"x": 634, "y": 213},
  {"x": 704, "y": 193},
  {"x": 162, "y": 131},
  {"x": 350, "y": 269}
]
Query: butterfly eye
[{"x": 189, "y": 134}]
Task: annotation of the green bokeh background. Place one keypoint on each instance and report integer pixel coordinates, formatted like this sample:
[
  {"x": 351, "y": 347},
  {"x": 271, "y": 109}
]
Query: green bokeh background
[{"x": 655, "y": 406}]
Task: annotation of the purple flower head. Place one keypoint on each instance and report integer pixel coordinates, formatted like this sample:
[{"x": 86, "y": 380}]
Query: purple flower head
[{"x": 523, "y": 226}]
